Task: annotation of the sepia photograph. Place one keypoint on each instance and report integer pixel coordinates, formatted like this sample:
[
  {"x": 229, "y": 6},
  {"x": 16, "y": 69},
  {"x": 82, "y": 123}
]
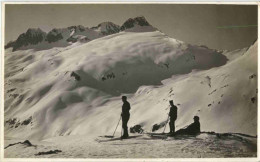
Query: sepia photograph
[{"x": 130, "y": 80}]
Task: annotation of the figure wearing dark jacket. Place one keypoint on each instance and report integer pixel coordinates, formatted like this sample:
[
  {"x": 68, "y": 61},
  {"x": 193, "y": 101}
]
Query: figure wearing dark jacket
[
  {"x": 125, "y": 116},
  {"x": 173, "y": 116},
  {"x": 192, "y": 129}
]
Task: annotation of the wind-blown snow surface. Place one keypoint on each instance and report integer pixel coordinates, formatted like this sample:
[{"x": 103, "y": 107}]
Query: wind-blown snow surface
[
  {"x": 138, "y": 146},
  {"x": 76, "y": 90}
]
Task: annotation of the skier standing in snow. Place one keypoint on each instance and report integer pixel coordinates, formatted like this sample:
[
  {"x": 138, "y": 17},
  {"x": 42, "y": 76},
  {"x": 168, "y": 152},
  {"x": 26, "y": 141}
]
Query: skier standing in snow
[
  {"x": 125, "y": 116},
  {"x": 173, "y": 117}
]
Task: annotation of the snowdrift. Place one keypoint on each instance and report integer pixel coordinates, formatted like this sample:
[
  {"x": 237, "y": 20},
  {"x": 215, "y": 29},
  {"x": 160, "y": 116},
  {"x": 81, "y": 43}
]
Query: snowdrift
[{"x": 76, "y": 90}]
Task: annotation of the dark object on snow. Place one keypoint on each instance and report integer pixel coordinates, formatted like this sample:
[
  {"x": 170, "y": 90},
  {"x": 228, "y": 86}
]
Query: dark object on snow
[
  {"x": 111, "y": 75},
  {"x": 76, "y": 76},
  {"x": 252, "y": 76},
  {"x": 11, "y": 121},
  {"x": 17, "y": 124},
  {"x": 26, "y": 142},
  {"x": 10, "y": 90},
  {"x": 156, "y": 127},
  {"x": 48, "y": 152},
  {"x": 136, "y": 129},
  {"x": 108, "y": 76},
  {"x": 160, "y": 125},
  {"x": 13, "y": 95},
  {"x": 27, "y": 121},
  {"x": 173, "y": 116},
  {"x": 192, "y": 129},
  {"x": 253, "y": 99},
  {"x": 125, "y": 116}
]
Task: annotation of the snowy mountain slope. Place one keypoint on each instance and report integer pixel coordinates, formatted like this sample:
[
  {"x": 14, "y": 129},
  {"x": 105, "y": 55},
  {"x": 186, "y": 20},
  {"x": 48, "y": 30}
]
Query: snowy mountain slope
[
  {"x": 76, "y": 89},
  {"x": 82, "y": 78},
  {"x": 232, "y": 55},
  {"x": 224, "y": 97}
]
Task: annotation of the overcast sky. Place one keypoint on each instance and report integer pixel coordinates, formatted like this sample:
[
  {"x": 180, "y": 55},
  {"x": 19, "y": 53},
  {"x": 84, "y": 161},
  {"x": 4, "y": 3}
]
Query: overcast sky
[{"x": 195, "y": 24}]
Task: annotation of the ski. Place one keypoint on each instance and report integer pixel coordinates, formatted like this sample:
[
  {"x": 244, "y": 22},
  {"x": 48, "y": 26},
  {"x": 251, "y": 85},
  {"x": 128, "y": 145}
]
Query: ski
[
  {"x": 162, "y": 136},
  {"x": 107, "y": 140},
  {"x": 114, "y": 139}
]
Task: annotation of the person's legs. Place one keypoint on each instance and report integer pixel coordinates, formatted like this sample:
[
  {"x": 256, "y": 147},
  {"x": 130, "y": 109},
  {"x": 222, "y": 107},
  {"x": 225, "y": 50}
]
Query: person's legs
[
  {"x": 170, "y": 124},
  {"x": 173, "y": 126},
  {"x": 124, "y": 126}
]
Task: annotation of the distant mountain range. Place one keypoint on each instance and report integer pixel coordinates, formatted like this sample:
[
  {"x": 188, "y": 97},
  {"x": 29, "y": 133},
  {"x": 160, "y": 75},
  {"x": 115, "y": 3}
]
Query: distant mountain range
[{"x": 73, "y": 34}]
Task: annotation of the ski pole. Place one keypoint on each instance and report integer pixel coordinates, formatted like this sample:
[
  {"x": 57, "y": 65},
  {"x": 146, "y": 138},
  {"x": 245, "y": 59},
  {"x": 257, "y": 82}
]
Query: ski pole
[
  {"x": 166, "y": 123},
  {"x": 117, "y": 125},
  {"x": 121, "y": 131}
]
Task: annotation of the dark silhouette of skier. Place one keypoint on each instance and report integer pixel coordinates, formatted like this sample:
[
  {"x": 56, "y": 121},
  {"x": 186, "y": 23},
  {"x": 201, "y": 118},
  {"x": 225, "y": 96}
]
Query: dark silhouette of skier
[
  {"x": 173, "y": 116},
  {"x": 125, "y": 116},
  {"x": 192, "y": 129}
]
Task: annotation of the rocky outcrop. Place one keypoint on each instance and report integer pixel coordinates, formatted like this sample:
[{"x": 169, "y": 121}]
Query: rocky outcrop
[
  {"x": 130, "y": 23},
  {"x": 32, "y": 36},
  {"x": 78, "y": 28},
  {"x": 107, "y": 28},
  {"x": 25, "y": 143},
  {"x": 54, "y": 35}
]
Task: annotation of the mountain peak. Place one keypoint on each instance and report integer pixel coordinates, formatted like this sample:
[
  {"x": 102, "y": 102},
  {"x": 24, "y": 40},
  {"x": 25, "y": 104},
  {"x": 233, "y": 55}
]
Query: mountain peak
[
  {"x": 131, "y": 22},
  {"x": 107, "y": 28},
  {"x": 78, "y": 28},
  {"x": 34, "y": 30},
  {"x": 31, "y": 36}
]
